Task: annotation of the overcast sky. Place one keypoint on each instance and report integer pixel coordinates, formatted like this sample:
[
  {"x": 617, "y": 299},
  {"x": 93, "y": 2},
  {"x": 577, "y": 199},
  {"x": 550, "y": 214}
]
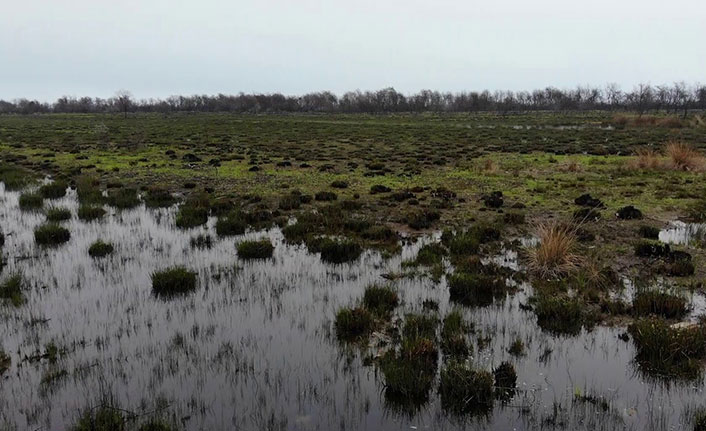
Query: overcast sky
[{"x": 158, "y": 48}]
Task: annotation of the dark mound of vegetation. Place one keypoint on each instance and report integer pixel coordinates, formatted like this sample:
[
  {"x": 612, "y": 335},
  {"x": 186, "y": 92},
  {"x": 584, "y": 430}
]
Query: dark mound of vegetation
[
  {"x": 379, "y": 188},
  {"x": 353, "y": 323},
  {"x": 14, "y": 177},
  {"x": 190, "y": 216},
  {"x": 339, "y": 184},
  {"x": 586, "y": 215},
  {"x": 561, "y": 315},
  {"x": 465, "y": 391},
  {"x": 261, "y": 249},
  {"x": 651, "y": 249},
  {"x": 476, "y": 289},
  {"x": 88, "y": 190},
  {"x": 54, "y": 190},
  {"x": 629, "y": 213},
  {"x": 123, "y": 198},
  {"x": 31, "y": 201},
  {"x": 493, "y": 200},
  {"x": 100, "y": 249},
  {"x": 453, "y": 335},
  {"x": 648, "y": 232},
  {"x": 430, "y": 254},
  {"x": 173, "y": 281},
  {"x": 90, "y": 212},
  {"x": 233, "y": 224},
  {"x": 422, "y": 219},
  {"x": 58, "y": 214},
  {"x": 51, "y": 234},
  {"x": 157, "y": 197},
  {"x": 587, "y": 200},
  {"x": 325, "y": 196},
  {"x": 201, "y": 241}
]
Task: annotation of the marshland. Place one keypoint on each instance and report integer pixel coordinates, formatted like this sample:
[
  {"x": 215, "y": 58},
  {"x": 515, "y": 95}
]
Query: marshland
[{"x": 522, "y": 270}]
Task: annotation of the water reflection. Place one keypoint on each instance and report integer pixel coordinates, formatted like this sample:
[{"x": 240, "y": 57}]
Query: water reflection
[{"x": 253, "y": 348}]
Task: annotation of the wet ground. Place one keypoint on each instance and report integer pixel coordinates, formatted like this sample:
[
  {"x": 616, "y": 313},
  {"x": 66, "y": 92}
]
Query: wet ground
[{"x": 253, "y": 347}]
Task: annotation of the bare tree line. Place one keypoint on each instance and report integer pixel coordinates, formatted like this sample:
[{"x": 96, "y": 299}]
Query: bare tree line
[{"x": 676, "y": 98}]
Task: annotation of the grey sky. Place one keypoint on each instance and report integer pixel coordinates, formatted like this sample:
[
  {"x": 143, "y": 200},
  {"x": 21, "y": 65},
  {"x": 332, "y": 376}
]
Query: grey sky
[{"x": 157, "y": 48}]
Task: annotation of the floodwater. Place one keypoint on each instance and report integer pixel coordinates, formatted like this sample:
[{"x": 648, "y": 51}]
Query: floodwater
[
  {"x": 253, "y": 347},
  {"x": 679, "y": 232}
]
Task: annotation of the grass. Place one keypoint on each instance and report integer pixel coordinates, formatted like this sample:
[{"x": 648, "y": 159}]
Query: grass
[
  {"x": 192, "y": 214},
  {"x": 54, "y": 190},
  {"x": 51, "y": 234},
  {"x": 233, "y": 224},
  {"x": 684, "y": 157},
  {"x": 466, "y": 391},
  {"x": 90, "y": 212},
  {"x": 505, "y": 378},
  {"x": 336, "y": 251},
  {"x": 380, "y": 300},
  {"x": 666, "y": 352},
  {"x": 561, "y": 315},
  {"x": 475, "y": 289},
  {"x": 11, "y": 290},
  {"x": 260, "y": 249},
  {"x": 158, "y": 197},
  {"x": 101, "y": 418},
  {"x": 453, "y": 335},
  {"x": 14, "y": 177},
  {"x": 556, "y": 253},
  {"x": 430, "y": 254},
  {"x": 353, "y": 323},
  {"x": 58, "y": 214},
  {"x": 5, "y": 362},
  {"x": 31, "y": 201},
  {"x": 661, "y": 303},
  {"x": 100, "y": 249},
  {"x": 123, "y": 198},
  {"x": 173, "y": 281}
]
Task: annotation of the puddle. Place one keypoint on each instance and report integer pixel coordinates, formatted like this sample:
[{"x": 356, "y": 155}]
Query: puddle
[
  {"x": 682, "y": 233},
  {"x": 253, "y": 347}
]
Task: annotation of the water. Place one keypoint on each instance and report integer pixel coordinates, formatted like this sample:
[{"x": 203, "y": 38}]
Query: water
[
  {"x": 679, "y": 232},
  {"x": 253, "y": 347}
]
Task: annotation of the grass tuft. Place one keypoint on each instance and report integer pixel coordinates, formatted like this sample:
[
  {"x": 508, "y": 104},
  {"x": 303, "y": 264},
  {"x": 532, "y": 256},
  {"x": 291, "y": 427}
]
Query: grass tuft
[
  {"x": 51, "y": 234},
  {"x": 173, "y": 281},
  {"x": 260, "y": 249},
  {"x": 555, "y": 255},
  {"x": 100, "y": 249}
]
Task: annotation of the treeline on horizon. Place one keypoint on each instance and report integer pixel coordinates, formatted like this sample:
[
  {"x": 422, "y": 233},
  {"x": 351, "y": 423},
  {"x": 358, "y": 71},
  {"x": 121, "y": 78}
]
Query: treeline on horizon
[{"x": 678, "y": 98}]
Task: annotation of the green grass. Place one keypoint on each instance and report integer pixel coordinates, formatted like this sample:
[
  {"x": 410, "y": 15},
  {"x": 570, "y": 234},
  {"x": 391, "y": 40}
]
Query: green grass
[
  {"x": 101, "y": 418},
  {"x": 466, "y": 391},
  {"x": 173, "y": 281},
  {"x": 260, "y": 249},
  {"x": 31, "y": 201},
  {"x": 11, "y": 290},
  {"x": 51, "y": 234},
  {"x": 90, "y": 212},
  {"x": 58, "y": 214},
  {"x": 381, "y": 300},
  {"x": 336, "y": 251},
  {"x": 100, "y": 249},
  {"x": 54, "y": 190},
  {"x": 353, "y": 323}
]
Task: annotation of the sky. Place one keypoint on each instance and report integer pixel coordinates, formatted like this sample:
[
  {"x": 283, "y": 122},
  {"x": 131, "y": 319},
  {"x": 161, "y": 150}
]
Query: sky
[{"x": 156, "y": 48}]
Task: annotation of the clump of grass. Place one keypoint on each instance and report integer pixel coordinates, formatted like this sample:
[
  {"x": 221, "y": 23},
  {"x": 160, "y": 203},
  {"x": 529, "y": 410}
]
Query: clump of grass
[
  {"x": 698, "y": 420},
  {"x": 260, "y": 249},
  {"x": 658, "y": 302},
  {"x": 173, "y": 281},
  {"x": 697, "y": 210},
  {"x": 453, "y": 335},
  {"x": 430, "y": 254},
  {"x": 58, "y": 214},
  {"x": 31, "y": 201},
  {"x": 336, "y": 251},
  {"x": 14, "y": 177},
  {"x": 156, "y": 425},
  {"x": 51, "y": 234},
  {"x": 466, "y": 391},
  {"x": 666, "y": 351},
  {"x": 5, "y": 362},
  {"x": 353, "y": 323},
  {"x": 100, "y": 249},
  {"x": 124, "y": 198},
  {"x": 464, "y": 244},
  {"x": 555, "y": 255},
  {"x": 158, "y": 197},
  {"x": 684, "y": 157},
  {"x": 193, "y": 212},
  {"x": 54, "y": 190},
  {"x": 475, "y": 289},
  {"x": 88, "y": 190},
  {"x": 517, "y": 347},
  {"x": 420, "y": 326},
  {"x": 11, "y": 290},
  {"x": 645, "y": 158},
  {"x": 422, "y": 219},
  {"x": 648, "y": 232},
  {"x": 325, "y": 196},
  {"x": 102, "y": 418},
  {"x": 651, "y": 249},
  {"x": 505, "y": 381},
  {"x": 233, "y": 224},
  {"x": 561, "y": 315},
  {"x": 90, "y": 212},
  {"x": 380, "y": 300}
]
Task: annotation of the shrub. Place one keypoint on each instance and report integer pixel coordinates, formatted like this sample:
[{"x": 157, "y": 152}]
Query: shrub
[
  {"x": 51, "y": 234},
  {"x": 645, "y": 158},
  {"x": 555, "y": 253},
  {"x": 30, "y": 201},
  {"x": 58, "y": 214},
  {"x": 173, "y": 281},
  {"x": 11, "y": 290},
  {"x": 100, "y": 249},
  {"x": 233, "y": 224},
  {"x": 261, "y": 249},
  {"x": 665, "y": 351},
  {"x": 380, "y": 300},
  {"x": 464, "y": 390},
  {"x": 53, "y": 190},
  {"x": 657, "y": 302},
  {"x": 353, "y": 323},
  {"x": 90, "y": 212},
  {"x": 475, "y": 289}
]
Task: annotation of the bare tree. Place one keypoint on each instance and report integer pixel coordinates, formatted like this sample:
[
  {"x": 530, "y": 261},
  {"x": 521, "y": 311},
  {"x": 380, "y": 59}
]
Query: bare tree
[{"x": 123, "y": 100}]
